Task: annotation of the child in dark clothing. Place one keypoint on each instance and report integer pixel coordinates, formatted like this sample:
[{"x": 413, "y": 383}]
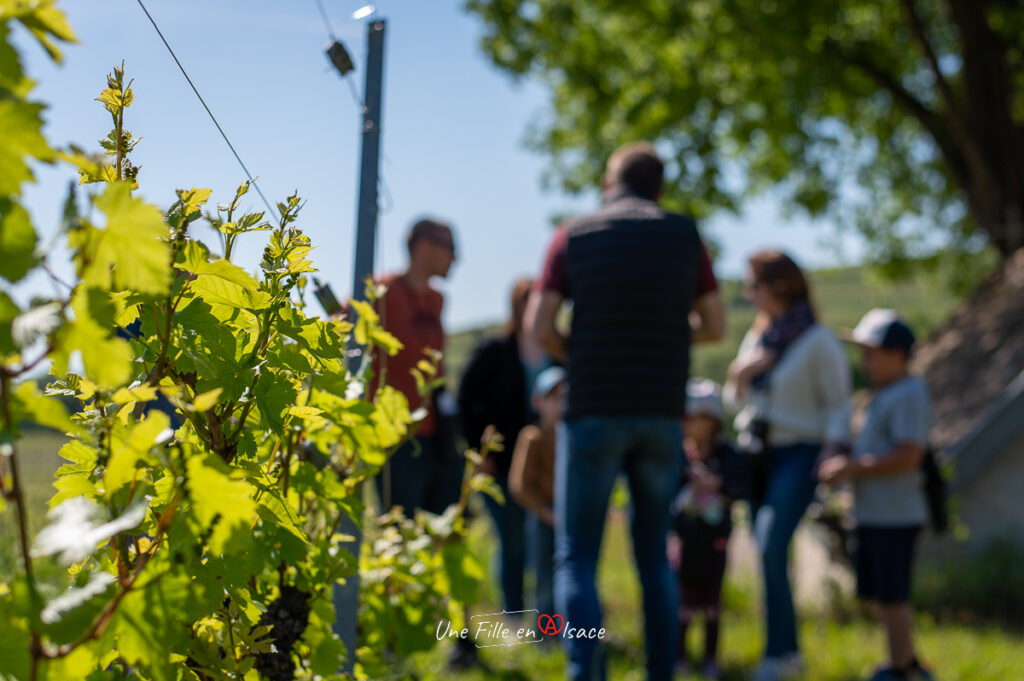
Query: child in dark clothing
[{"x": 715, "y": 477}]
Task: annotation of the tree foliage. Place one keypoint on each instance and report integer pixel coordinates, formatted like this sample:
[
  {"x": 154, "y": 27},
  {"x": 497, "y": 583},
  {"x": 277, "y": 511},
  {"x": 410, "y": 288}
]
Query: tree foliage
[
  {"x": 220, "y": 440},
  {"x": 895, "y": 117}
]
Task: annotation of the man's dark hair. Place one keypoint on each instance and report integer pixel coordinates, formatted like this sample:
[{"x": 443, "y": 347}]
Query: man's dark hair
[
  {"x": 637, "y": 168},
  {"x": 427, "y": 229}
]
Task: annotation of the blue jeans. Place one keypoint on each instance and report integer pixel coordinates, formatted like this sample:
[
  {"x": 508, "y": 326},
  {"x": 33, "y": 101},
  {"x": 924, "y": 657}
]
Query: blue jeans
[
  {"x": 510, "y": 521},
  {"x": 649, "y": 450},
  {"x": 419, "y": 476},
  {"x": 540, "y": 539},
  {"x": 789, "y": 491}
]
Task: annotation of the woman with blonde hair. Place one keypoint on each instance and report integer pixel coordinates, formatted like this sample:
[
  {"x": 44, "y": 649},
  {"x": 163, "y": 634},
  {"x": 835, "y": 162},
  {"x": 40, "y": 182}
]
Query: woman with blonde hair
[{"x": 791, "y": 383}]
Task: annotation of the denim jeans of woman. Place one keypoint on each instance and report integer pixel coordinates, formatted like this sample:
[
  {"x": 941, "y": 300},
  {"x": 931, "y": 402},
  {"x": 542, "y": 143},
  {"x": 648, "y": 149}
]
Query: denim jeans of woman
[{"x": 789, "y": 491}]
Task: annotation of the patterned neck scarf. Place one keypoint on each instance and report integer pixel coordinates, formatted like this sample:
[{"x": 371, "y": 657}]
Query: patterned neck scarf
[{"x": 781, "y": 333}]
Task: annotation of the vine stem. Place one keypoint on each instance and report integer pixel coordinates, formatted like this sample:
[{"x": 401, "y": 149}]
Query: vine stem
[
  {"x": 17, "y": 493},
  {"x": 231, "y": 638},
  {"x": 165, "y": 340},
  {"x": 99, "y": 625},
  {"x": 16, "y": 490},
  {"x": 118, "y": 125}
]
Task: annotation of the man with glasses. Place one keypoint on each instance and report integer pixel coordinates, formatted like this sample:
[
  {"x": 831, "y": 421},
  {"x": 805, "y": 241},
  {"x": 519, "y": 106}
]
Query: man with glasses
[{"x": 422, "y": 473}]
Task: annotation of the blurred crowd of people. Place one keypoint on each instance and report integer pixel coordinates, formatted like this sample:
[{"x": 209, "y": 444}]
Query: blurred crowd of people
[{"x": 611, "y": 396}]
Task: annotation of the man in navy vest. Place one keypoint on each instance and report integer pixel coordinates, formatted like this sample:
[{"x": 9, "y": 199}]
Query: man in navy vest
[{"x": 643, "y": 292}]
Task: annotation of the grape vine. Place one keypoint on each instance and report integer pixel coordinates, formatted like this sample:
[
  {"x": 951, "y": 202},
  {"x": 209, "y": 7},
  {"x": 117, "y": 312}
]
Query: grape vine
[{"x": 219, "y": 440}]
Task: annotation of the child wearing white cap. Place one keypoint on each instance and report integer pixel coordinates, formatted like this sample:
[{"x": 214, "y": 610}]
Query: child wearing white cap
[
  {"x": 715, "y": 477},
  {"x": 885, "y": 467},
  {"x": 532, "y": 479}
]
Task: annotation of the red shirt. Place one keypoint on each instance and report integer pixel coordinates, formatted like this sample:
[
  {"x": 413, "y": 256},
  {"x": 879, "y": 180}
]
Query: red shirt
[
  {"x": 553, "y": 275},
  {"x": 414, "y": 318}
]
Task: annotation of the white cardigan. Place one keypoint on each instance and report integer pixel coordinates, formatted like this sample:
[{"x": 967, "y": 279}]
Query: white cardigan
[{"x": 808, "y": 394}]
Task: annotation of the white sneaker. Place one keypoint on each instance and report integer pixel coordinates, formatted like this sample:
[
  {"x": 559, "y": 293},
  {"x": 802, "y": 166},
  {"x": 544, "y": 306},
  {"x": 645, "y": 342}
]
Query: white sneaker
[
  {"x": 793, "y": 665},
  {"x": 779, "y": 668}
]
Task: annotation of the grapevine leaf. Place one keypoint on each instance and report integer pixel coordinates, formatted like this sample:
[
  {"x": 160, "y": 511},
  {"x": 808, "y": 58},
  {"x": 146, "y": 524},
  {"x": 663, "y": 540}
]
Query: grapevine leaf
[
  {"x": 107, "y": 359},
  {"x": 391, "y": 416},
  {"x": 15, "y": 643},
  {"x": 128, "y": 452},
  {"x": 222, "y": 282},
  {"x": 83, "y": 663},
  {"x": 219, "y": 496},
  {"x": 207, "y": 400},
  {"x": 75, "y": 478},
  {"x": 215, "y": 288},
  {"x": 131, "y": 243},
  {"x": 321, "y": 339},
  {"x": 68, "y": 615},
  {"x": 12, "y": 78},
  {"x": 81, "y": 456},
  {"x": 195, "y": 260},
  {"x": 17, "y": 241},
  {"x": 91, "y": 168},
  {"x": 71, "y": 485},
  {"x": 327, "y": 650},
  {"x": 8, "y": 311},
  {"x": 126, "y": 306},
  {"x": 41, "y": 409},
  {"x": 192, "y": 200},
  {"x": 47, "y": 23},
  {"x": 486, "y": 484},
  {"x": 139, "y": 393},
  {"x": 361, "y": 436},
  {"x": 156, "y": 620},
  {"x": 277, "y": 510},
  {"x": 368, "y": 330},
  {"x": 463, "y": 571},
  {"x": 274, "y": 394},
  {"x": 311, "y": 416},
  {"x": 20, "y": 137}
]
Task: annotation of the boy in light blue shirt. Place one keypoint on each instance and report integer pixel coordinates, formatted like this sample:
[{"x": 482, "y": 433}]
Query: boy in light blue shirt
[{"x": 885, "y": 468}]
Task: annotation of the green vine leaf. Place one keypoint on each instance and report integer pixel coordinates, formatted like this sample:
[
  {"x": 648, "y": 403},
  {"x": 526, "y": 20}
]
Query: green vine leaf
[
  {"x": 131, "y": 246},
  {"x": 107, "y": 359},
  {"x": 129, "y": 455},
  {"x": 17, "y": 241},
  {"x": 220, "y": 499},
  {"x": 20, "y": 138}
]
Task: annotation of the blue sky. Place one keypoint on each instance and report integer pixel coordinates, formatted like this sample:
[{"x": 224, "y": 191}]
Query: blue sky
[{"x": 452, "y": 135}]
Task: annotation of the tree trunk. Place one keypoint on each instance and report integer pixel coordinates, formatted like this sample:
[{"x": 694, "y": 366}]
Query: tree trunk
[
  {"x": 992, "y": 144},
  {"x": 1002, "y": 222}
]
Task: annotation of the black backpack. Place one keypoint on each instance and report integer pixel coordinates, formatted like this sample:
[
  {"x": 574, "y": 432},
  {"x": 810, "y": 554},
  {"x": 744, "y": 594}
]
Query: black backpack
[{"x": 935, "y": 492}]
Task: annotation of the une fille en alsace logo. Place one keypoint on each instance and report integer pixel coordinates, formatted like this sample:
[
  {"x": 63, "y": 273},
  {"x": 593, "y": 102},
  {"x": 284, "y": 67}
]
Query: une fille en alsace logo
[{"x": 493, "y": 629}]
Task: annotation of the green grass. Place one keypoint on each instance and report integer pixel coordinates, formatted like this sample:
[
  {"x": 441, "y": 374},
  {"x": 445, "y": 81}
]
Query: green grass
[{"x": 835, "y": 650}]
